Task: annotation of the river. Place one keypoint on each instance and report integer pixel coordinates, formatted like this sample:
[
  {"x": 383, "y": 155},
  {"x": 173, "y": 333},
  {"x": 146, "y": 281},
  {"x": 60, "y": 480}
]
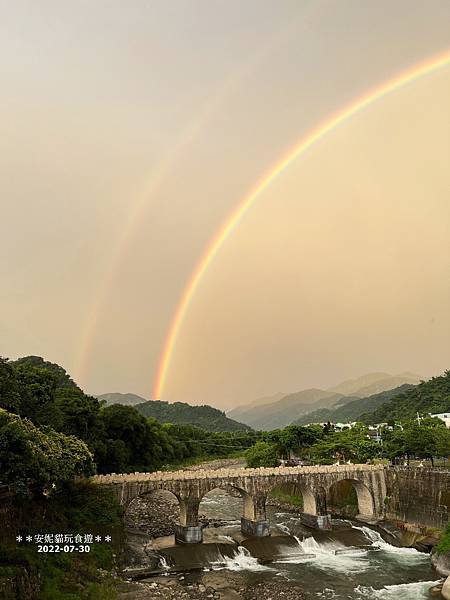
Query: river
[{"x": 338, "y": 570}]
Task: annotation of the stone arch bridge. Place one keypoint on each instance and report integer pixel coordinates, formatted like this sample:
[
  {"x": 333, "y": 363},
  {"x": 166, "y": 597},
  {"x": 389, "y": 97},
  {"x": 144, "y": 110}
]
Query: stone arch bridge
[{"x": 314, "y": 484}]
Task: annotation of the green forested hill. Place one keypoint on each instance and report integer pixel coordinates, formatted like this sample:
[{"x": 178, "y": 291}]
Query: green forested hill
[
  {"x": 351, "y": 411},
  {"x": 206, "y": 417},
  {"x": 431, "y": 396}
]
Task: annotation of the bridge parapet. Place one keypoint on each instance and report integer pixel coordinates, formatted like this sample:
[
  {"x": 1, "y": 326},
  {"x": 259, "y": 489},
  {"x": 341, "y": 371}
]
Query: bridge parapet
[{"x": 185, "y": 475}]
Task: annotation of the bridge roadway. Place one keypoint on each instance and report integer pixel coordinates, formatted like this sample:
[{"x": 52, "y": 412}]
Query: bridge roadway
[{"x": 314, "y": 483}]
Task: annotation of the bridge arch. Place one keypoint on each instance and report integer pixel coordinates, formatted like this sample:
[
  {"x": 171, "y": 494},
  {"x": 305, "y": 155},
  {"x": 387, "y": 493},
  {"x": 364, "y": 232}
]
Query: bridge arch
[
  {"x": 211, "y": 498},
  {"x": 147, "y": 493},
  {"x": 142, "y": 506},
  {"x": 253, "y": 505},
  {"x": 364, "y": 496},
  {"x": 305, "y": 492}
]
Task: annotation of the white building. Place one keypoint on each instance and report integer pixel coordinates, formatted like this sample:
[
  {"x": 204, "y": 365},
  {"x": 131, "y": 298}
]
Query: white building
[{"x": 444, "y": 417}]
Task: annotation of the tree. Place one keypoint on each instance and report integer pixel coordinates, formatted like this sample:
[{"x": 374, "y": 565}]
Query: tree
[
  {"x": 351, "y": 444},
  {"x": 426, "y": 439},
  {"x": 31, "y": 456},
  {"x": 262, "y": 454},
  {"x": 294, "y": 439}
]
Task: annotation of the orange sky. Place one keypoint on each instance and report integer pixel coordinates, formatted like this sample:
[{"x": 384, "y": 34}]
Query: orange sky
[{"x": 129, "y": 133}]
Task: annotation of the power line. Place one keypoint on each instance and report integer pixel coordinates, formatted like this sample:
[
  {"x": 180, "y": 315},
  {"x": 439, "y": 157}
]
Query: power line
[{"x": 214, "y": 444}]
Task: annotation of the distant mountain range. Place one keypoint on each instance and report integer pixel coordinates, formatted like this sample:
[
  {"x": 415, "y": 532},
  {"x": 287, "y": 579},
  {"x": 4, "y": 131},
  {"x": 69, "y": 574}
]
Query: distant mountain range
[
  {"x": 289, "y": 408},
  {"x": 293, "y": 407},
  {"x": 257, "y": 403},
  {"x": 374, "y": 383},
  {"x": 352, "y": 411},
  {"x": 206, "y": 417},
  {"x": 125, "y": 399}
]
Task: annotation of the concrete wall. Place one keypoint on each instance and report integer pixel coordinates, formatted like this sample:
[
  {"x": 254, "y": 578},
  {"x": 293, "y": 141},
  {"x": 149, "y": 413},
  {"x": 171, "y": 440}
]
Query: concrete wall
[{"x": 418, "y": 496}]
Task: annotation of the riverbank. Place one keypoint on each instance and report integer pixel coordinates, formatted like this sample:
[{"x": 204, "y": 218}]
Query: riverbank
[{"x": 210, "y": 586}]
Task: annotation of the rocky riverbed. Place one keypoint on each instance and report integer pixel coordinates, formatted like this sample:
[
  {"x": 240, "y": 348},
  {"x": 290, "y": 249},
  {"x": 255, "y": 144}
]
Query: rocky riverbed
[{"x": 212, "y": 586}]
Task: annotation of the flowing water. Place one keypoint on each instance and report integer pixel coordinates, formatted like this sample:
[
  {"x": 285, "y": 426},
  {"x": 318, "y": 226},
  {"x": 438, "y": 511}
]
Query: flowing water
[{"x": 329, "y": 565}]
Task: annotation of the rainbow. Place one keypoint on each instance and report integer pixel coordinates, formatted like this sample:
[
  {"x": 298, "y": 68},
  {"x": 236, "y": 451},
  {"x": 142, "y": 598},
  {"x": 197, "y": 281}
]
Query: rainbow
[{"x": 413, "y": 73}]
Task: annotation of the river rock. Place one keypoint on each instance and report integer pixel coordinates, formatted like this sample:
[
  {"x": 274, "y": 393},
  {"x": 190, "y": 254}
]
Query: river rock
[
  {"x": 446, "y": 589},
  {"x": 273, "y": 591},
  {"x": 441, "y": 562}
]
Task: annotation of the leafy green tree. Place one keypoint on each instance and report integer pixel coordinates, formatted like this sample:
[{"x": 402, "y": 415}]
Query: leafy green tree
[
  {"x": 262, "y": 454},
  {"x": 426, "y": 439},
  {"x": 295, "y": 439},
  {"x": 350, "y": 444},
  {"x": 30, "y": 456}
]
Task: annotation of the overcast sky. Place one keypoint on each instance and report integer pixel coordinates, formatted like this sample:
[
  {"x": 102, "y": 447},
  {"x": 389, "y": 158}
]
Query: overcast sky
[{"x": 131, "y": 130}]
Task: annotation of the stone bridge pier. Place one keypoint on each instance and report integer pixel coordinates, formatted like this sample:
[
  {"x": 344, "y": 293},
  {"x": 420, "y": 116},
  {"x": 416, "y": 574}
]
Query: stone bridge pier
[{"x": 254, "y": 485}]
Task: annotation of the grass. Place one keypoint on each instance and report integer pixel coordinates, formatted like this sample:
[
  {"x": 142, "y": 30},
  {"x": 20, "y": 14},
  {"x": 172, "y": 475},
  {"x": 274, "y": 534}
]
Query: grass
[
  {"x": 283, "y": 496},
  {"x": 444, "y": 543}
]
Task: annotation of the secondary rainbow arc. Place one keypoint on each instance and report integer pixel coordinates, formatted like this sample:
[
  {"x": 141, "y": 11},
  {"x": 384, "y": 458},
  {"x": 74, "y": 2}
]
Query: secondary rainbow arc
[{"x": 417, "y": 71}]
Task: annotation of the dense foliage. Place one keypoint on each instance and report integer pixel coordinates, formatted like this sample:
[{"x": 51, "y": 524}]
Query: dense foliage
[
  {"x": 31, "y": 457},
  {"x": 431, "y": 396},
  {"x": 427, "y": 439},
  {"x": 352, "y": 444},
  {"x": 206, "y": 417},
  {"x": 262, "y": 454},
  {"x": 295, "y": 439}
]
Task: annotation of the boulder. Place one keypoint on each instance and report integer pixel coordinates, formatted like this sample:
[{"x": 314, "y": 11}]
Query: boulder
[
  {"x": 446, "y": 589},
  {"x": 441, "y": 562}
]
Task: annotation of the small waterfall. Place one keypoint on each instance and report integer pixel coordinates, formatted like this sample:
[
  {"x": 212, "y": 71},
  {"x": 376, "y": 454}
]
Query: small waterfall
[
  {"x": 164, "y": 564},
  {"x": 403, "y": 591},
  {"x": 228, "y": 538},
  {"x": 376, "y": 539},
  {"x": 242, "y": 560},
  {"x": 284, "y": 528},
  {"x": 328, "y": 555}
]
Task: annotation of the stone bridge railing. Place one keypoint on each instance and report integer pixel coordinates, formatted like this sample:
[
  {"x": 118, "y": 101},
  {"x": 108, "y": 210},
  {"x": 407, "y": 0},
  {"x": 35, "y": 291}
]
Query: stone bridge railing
[{"x": 313, "y": 483}]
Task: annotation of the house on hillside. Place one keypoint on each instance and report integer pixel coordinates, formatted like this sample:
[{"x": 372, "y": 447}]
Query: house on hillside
[{"x": 444, "y": 417}]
